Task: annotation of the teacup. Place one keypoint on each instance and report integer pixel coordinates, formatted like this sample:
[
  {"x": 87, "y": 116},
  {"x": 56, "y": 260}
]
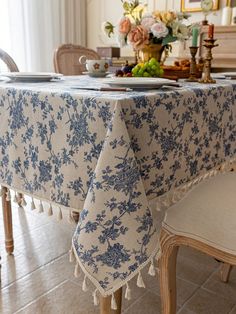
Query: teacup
[{"x": 94, "y": 66}]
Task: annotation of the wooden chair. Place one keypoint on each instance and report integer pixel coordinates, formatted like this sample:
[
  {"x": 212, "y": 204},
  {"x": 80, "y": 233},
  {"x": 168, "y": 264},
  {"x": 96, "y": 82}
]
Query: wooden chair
[
  {"x": 204, "y": 219},
  {"x": 66, "y": 59},
  {"x": 7, "y": 215},
  {"x": 11, "y": 66},
  {"x": 8, "y": 61}
]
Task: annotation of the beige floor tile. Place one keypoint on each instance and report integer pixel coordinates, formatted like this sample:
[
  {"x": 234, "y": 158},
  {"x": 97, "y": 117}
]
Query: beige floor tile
[
  {"x": 227, "y": 290},
  {"x": 30, "y": 287},
  {"x": 64, "y": 299},
  {"x": 136, "y": 293},
  {"x": 204, "y": 302},
  {"x": 195, "y": 266},
  {"x": 45, "y": 243},
  {"x": 149, "y": 303},
  {"x": 185, "y": 290}
]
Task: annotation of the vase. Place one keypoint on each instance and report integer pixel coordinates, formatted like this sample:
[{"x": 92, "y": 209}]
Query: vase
[{"x": 150, "y": 51}]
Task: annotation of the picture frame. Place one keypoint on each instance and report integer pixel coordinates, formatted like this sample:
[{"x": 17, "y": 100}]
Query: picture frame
[{"x": 195, "y": 5}]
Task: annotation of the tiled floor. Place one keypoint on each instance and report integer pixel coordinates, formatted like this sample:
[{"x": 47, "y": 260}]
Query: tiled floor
[{"x": 39, "y": 279}]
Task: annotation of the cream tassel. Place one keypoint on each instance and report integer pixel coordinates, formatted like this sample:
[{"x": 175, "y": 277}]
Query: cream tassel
[
  {"x": 158, "y": 207},
  {"x": 72, "y": 255},
  {"x": 33, "y": 204},
  {"x": 76, "y": 272},
  {"x": 158, "y": 255},
  {"x": 59, "y": 216},
  {"x": 15, "y": 200},
  {"x": 127, "y": 292},
  {"x": 95, "y": 298},
  {"x": 151, "y": 270},
  {"x": 23, "y": 202},
  {"x": 140, "y": 282},
  {"x": 166, "y": 203},
  {"x": 8, "y": 195},
  {"x": 70, "y": 218},
  {"x": 84, "y": 285},
  {"x": 41, "y": 207},
  {"x": 113, "y": 302},
  {"x": 50, "y": 211}
]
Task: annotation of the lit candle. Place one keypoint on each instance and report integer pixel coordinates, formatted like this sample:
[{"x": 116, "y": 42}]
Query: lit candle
[
  {"x": 211, "y": 31},
  {"x": 195, "y": 36}
]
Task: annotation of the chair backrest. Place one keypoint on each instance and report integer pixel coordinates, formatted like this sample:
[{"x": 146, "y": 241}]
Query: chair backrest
[
  {"x": 66, "y": 59},
  {"x": 7, "y": 63}
]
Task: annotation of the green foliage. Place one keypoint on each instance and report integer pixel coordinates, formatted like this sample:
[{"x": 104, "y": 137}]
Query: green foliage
[{"x": 168, "y": 39}]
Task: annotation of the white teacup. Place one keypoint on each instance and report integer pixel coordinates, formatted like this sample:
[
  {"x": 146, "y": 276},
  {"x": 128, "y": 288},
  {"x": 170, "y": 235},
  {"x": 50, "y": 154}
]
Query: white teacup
[{"x": 94, "y": 66}]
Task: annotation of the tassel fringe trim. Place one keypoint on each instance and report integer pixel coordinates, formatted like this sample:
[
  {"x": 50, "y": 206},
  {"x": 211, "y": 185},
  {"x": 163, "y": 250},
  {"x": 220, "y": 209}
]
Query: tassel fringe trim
[
  {"x": 95, "y": 298},
  {"x": 166, "y": 200},
  {"x": 140, "y": 283},
  {"x": 113, "y": 302},
  {"x": 21, "y": 201}
]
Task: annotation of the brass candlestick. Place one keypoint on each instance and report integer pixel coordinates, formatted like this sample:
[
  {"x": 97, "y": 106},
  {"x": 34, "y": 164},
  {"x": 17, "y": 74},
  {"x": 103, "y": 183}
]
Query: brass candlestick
[
  {"x": 193, "y": 65},
  {"x": 206, "y": 78}
]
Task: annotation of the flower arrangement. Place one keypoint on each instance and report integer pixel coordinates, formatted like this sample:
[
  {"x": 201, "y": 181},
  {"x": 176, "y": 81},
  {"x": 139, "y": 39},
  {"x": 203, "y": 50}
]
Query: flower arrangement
[{"x": 138, "y": 28}]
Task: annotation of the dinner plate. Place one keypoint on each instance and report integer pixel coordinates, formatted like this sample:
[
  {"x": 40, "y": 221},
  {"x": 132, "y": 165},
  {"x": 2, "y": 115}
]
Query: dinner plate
[
  {"x": 96, "y": 74},
  {"x": 138, "y": 82},
  {"x": 229, "y": 74},
  {"x": 32, "y": 76}
]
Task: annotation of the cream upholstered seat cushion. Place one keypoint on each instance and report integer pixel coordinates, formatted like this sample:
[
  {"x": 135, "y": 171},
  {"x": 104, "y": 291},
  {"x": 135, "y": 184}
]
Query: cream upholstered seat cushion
[{"x": 207, "y": 213}]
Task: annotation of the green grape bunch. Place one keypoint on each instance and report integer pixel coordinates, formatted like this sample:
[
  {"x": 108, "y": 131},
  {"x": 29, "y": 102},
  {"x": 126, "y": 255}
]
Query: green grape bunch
[{"x": 150, "y": 68}]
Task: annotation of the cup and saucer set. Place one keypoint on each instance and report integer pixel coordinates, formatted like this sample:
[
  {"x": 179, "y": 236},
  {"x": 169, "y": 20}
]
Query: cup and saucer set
[{"x": 95, "y": 68}]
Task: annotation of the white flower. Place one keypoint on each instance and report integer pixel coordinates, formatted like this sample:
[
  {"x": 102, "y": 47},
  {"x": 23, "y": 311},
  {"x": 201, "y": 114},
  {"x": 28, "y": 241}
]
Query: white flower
[
  {"x": 180, "y": 30},
  {"x": 147, "y": 22},
  {"x": 159, "y": 30}
]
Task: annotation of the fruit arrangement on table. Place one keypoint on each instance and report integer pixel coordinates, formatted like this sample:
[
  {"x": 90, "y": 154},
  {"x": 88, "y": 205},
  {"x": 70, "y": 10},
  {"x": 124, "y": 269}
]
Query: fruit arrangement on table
[{"x": 150, "y": 68}]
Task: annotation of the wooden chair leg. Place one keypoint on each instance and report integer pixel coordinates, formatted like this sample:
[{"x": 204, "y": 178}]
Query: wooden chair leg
[
  {"x": 105, "y": 303},
  {"x": 7, "y": 220},
  {"x": 225, "y": 270},
  {"x": 168, "y": 278}
]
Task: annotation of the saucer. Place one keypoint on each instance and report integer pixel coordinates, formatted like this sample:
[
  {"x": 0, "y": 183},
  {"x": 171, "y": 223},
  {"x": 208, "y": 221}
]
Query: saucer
[{"x": 96, "y": 74}]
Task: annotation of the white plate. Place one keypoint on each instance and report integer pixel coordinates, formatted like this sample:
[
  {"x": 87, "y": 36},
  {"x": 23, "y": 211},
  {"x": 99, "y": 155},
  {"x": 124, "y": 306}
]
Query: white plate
[
  {"x": 229, "y": 74},
  {"x": 218, "y": 76},
  {"x": 96, "y": 74},
  {"x": 32, "y": 76},
  {"x": 138, "y": 82}
]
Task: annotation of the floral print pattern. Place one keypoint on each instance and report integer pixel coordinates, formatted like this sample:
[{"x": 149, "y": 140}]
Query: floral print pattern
[{"x": 109, "y": 154}]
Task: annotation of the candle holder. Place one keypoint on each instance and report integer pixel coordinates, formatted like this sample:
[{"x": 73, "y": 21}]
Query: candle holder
[
  {"x": 193, "y": 65},
  {"x": 206, "y": 78}
]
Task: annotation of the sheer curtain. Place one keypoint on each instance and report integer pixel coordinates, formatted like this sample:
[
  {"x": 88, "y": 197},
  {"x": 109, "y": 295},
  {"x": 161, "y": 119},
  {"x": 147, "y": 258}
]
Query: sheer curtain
[{"x": 30, "y": 30}]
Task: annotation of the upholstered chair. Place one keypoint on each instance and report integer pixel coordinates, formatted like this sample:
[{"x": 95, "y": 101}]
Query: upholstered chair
[{"x": 205, "y": 219}]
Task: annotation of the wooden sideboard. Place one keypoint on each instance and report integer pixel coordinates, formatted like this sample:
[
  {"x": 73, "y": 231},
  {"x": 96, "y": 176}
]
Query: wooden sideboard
[{"x": 224, "y": 56}]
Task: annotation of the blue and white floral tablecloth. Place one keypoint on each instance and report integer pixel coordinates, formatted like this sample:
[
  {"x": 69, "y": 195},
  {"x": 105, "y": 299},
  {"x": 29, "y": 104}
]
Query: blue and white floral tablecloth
[{"x": 109, "y": 154}]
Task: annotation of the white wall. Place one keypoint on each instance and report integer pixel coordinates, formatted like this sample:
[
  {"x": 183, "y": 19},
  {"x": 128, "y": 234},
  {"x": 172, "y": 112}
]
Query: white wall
[{"x": 99, "y": 11}]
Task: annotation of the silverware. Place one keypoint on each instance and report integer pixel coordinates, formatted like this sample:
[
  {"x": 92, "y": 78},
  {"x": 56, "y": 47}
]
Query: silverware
[{"x": 103, "y": 89}]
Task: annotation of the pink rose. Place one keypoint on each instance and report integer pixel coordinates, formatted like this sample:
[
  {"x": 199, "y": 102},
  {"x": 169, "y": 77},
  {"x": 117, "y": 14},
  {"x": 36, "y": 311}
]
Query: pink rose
[
  {"x": 147, "y": 22},
  {"x": 138, "y": 37},
  {"x": 159, "y": 30},
  {"x": 124, "y": 25}
]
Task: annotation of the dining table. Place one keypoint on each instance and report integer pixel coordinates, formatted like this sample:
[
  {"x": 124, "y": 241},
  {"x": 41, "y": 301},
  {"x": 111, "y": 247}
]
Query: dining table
[{"x": 111, "y": 156}]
